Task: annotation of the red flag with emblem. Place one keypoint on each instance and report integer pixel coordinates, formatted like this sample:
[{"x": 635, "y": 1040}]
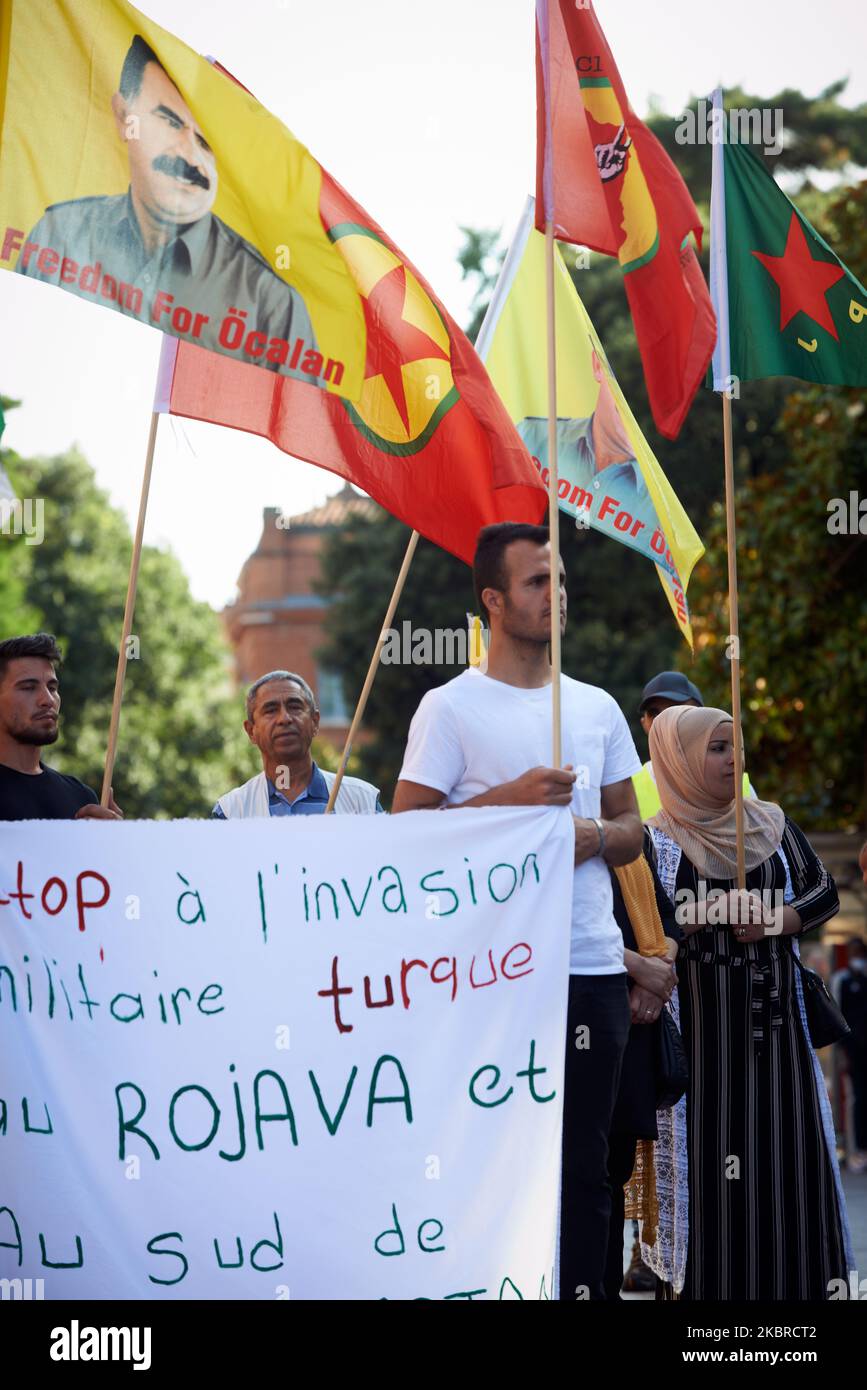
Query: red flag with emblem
[
  {"x": 429, "y": 438},
  {"x": 605, "y": 182}
]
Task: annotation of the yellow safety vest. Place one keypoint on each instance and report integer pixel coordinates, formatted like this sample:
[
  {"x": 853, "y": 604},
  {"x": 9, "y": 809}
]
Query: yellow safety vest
[{"x": 648, "y": 795}]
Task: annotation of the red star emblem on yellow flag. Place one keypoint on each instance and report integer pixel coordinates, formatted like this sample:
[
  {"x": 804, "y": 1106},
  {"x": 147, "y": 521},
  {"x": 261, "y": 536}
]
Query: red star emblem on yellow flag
[
  {"x": 391, "y": 341},
  {"x": 803, "y": 281}
]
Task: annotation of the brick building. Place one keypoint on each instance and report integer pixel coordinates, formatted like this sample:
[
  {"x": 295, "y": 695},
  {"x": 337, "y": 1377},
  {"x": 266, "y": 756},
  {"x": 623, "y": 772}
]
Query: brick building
[{"x": 277, "y": 620}]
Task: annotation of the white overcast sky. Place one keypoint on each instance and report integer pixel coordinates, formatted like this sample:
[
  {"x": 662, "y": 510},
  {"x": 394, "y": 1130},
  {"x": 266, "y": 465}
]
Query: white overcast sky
[{"x": 425, "y": 111}]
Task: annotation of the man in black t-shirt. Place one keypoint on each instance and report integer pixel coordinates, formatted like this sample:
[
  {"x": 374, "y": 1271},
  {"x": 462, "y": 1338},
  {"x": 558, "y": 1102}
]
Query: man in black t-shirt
[{"x": 29, "y": 714}]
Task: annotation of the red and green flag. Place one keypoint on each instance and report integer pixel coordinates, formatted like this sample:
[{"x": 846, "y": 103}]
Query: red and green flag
[
  {"x": 605, "y": 182},
  {"x": 786, "y": 304},
  {"x": 428, "y": 438}
]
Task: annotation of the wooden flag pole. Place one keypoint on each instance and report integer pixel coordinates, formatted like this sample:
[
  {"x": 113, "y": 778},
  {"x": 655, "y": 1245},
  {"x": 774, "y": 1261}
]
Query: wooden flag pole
[
  {"x": 371, "y": 670},
  {"x": 129, "y": 610},
  {"x": 734, "y": 637},
  {"x": 553, "y": 499},
  {"x": 722, "y": 380}
]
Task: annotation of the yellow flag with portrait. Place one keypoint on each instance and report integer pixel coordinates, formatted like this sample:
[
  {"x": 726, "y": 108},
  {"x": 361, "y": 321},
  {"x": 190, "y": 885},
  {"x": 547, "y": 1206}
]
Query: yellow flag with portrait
[
  {"x": 141, "y": 177},
  {"x": 608, "y": 476}
]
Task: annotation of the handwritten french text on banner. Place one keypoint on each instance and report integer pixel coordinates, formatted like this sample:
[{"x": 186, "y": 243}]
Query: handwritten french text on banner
[{"x": 318, "y": 1059}]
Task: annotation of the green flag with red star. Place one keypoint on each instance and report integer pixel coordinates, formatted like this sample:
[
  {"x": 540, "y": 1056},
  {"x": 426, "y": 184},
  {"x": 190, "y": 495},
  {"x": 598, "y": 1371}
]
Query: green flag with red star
[{"x": 785, "y": 303}]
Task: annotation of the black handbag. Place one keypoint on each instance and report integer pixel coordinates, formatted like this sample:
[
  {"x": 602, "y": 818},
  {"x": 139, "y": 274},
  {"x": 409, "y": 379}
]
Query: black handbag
[
  {"x": 825, "y": 1019},
  {"x": 670, "y": 1064}
]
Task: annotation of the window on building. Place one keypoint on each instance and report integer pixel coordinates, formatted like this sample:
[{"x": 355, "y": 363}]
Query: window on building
[{"x": 332, "y": 706}]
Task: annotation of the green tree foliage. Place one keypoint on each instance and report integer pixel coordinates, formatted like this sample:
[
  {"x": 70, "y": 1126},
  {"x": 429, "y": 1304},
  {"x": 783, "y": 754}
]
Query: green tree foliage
[
  {"x": 181, "y": 741},
  {"x": 803, "y": 617},
  {"x": 359, "y": 566},
  {"x": 842, "y": 222},
  {"x": 820, "y": 133},
  {"x": 11, "y": 587},
  {"x": 480, "y": 259}
]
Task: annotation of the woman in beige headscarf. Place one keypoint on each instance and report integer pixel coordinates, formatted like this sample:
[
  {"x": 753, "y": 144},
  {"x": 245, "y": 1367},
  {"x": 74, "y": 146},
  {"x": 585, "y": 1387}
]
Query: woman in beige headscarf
[{"x": 766, "y": 1213}]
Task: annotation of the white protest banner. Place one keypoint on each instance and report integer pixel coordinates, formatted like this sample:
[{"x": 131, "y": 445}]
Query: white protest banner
[{"x": 311, "y": 1059}]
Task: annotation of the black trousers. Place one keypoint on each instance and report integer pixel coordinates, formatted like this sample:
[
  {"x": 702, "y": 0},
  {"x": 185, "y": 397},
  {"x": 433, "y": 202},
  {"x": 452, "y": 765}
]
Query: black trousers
[
  {"x": 598, "y": 1022},
  {"x": 621, "y": 1161}
]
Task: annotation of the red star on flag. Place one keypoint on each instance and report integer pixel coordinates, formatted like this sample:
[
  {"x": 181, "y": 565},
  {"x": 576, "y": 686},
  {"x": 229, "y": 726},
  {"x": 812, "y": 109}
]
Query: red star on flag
[
  {"x": 803, "y": 281},
  {"x": 391, "y": 341}
]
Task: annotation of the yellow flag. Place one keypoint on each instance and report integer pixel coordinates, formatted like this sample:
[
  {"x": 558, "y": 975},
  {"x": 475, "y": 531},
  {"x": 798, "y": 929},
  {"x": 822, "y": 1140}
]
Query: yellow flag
[
  {"x": 478, "y": 647},
  {"x": 608, "y": 477},
  {"x": 139, "y": 176}
]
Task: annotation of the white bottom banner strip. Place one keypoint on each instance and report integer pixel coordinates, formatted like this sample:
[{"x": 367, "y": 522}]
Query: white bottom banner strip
[{"x": 317, "y": 1059}]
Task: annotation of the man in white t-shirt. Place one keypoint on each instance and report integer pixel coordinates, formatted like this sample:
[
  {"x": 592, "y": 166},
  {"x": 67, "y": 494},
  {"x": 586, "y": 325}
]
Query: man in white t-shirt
[{"x": 485, "y": 740}]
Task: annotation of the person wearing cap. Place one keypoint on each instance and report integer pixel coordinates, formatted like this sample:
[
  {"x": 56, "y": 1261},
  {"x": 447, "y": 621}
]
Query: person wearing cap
[{"x": 667, "y": 689}]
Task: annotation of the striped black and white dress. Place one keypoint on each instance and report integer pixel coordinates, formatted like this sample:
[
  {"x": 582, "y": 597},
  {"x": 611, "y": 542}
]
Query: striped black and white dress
[{"x": 766, "y": 1211}]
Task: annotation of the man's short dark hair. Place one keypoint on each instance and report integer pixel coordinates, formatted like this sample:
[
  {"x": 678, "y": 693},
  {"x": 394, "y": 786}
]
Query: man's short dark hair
[
  {"x": 489, "y": 567},
  {"x": 134, "y": 64},
  {"x": 37, "y": 644},
  {"x": 280, "y": 676}
]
